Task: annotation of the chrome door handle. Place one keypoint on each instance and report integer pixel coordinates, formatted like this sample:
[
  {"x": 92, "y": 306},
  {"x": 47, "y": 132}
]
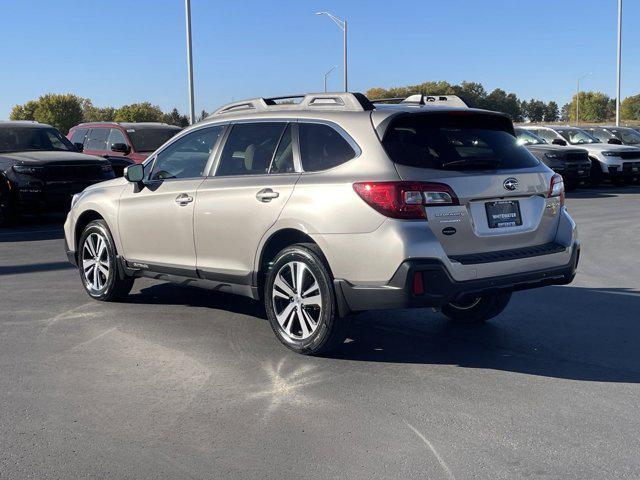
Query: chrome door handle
[
  {"x": 183, "y": 199},
  {"x": 266, "y": 195}
]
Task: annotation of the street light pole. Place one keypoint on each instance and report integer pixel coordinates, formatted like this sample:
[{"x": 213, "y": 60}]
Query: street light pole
[
  {"x": 192, "y": 112},
  {"x": 342, "y": 24},
  {"x": 326, "y": 75},
  {"x": 618, "y": 63}
]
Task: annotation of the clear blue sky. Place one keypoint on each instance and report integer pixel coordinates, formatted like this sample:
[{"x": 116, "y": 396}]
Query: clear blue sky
[{"x": 122, "y": 51}]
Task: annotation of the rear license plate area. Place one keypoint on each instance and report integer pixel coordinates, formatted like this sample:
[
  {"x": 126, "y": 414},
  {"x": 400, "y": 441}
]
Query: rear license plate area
[{"x": 503, "y": 213}]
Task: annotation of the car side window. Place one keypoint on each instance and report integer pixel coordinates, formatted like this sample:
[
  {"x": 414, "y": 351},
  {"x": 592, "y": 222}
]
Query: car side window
[
  {"x": 97, "y": 139},
  {"x": 249, "y": 149},
  {"x": 283, "y": 159},
  {"x": 115, "y": 136},
  {"x": 79, "y": 136},
  {"x": 187, "y": 156},
  {"x": 322, "y": 147}
]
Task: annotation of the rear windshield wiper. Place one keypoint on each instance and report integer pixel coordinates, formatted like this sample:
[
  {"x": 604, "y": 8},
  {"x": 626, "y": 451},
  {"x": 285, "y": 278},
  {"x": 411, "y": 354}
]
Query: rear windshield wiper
[{"x": 473, "y": 162}]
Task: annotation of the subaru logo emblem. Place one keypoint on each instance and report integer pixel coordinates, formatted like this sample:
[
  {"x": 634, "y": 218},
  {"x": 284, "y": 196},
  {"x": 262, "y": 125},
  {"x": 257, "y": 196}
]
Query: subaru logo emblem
[{"x": 510, "y": 184}]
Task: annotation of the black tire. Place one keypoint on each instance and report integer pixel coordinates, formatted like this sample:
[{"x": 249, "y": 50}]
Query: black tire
[
  {"x": 596, "y": 177},
  {"x": 329, "y": 328},
  {"x": 109, "y": 286},
  {"x": 8, "y": 209},
  {"x": 478, "y": 310}
]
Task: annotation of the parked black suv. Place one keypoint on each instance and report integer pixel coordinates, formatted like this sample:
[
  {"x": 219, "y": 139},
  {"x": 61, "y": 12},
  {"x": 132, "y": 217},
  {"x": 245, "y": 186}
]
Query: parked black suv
[
  {"x": 40, "y": 170},
  {"x": 572, "y": 163}
]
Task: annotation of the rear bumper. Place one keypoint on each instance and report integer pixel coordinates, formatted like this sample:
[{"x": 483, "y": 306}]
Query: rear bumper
[{"x": 439, "y": 287}]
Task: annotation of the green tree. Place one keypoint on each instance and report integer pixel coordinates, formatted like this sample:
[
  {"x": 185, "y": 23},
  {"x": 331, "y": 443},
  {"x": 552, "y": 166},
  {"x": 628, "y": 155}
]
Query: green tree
[
  {"x": 534, "y": 110},
  {"x": 139, "y": 112},
  {"x": 60, "y": 111},
  {"x": 565, "y": 113},
  {"x": 551, "y": 112},
  {"x": 175, "y": 118},
  {"x": 630, "y": 108},
  {"x": 501, "y": 101},
  {"x": 96, "y": 114},
  {"x": 24, "y": 112},
  {"x": 204, "y": 114},
  {"x": 594, "y": 107}
]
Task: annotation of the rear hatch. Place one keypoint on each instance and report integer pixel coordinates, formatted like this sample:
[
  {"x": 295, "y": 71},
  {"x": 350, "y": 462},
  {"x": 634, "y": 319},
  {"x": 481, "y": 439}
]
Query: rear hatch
[{"x": 501, "y": 188}]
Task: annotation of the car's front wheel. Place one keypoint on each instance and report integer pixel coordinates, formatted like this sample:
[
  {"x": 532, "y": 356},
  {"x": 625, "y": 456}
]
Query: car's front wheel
[
  {"x": 300, "y": 301},
  {"x": 478, "y": 309},
  {"x": 97, "y": 264}
]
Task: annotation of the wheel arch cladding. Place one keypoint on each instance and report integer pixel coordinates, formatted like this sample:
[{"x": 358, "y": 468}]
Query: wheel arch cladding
[{"x": 84, "y": 219}]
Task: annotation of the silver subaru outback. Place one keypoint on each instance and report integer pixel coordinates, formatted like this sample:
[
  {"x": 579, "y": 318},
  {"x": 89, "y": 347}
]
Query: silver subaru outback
[{"x": 333, "y": 205}]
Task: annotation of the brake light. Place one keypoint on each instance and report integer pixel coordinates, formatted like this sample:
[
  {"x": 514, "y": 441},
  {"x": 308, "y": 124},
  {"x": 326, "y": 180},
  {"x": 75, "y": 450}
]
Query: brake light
[
  {"x": 556, "y": 189},
  {"x": 405, "y": 200}
]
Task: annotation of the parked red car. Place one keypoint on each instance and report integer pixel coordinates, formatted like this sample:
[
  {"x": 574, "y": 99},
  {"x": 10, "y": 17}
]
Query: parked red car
[{"x": 121, "y": 143}]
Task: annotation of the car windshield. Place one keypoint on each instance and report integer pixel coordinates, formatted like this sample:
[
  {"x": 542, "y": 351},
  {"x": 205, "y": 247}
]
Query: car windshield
[
  {"x": 447, "y": 141},
  {"x": 575, "y": 136},
  {"x": 525, "y": 137},
  {"x": 149, "y": 139},
  {"x": 628, "y": 136},
  {"x": 33, "y": 139},
  {"x": 601, "y": 134}
]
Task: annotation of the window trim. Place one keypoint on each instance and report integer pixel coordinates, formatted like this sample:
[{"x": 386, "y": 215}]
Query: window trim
[
  {"x": 342, "y": 132},
  {"x": 207, "y": 166}
]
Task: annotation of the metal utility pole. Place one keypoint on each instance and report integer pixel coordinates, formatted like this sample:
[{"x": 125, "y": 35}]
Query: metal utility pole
[
  {"x": 342, "y": 24},
  {"x": 192, "y": 110},
  {"x": 618, "y": 63},
  {"x": 326, "y": 75},
  {"x": 578, "y": 99}
]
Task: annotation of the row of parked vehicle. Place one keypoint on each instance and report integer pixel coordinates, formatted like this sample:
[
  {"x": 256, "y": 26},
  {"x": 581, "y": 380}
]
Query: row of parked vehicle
[
  {"x": 587, "y": 155},
  {"x": 40, "y": 169}
]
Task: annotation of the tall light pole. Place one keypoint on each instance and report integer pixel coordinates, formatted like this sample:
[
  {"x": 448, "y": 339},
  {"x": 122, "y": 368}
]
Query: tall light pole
[
  {"x": 342, "y": 24},
  {"x": 192, "y": 110},
  {"x": 618, "y": 63},
  {"x": 326, "y": 75},
  {"x": 578, "y": 99}
]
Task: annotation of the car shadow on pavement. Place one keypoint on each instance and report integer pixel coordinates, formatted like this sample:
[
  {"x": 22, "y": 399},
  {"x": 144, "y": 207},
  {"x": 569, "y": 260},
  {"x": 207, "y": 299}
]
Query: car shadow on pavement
[
  {"x": 195, "y": 296},
  {"x": 564, "y": 332},
  {"x": 33, "y": 229},
  {"x": 34, "y": 267},
  {"x": 603, "y": 191}
]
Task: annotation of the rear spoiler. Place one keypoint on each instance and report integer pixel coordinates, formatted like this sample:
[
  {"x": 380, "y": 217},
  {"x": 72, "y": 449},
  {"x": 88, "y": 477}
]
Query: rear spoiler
[{"x": 426, "y": 100}]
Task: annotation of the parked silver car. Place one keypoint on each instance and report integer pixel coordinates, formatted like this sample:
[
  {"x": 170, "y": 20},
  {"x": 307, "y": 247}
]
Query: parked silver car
[{"x": 331, "y": 206}]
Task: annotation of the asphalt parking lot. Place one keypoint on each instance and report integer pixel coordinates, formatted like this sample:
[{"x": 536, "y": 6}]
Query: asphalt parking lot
[{"x": 180, "y": 382}]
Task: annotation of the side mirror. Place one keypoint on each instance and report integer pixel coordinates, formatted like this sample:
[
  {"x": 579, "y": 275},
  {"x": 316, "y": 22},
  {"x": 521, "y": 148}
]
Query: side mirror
[
  {"x": 559, "y": 141},
  {"x": 615, "y": 141},
  {"x": 79, "y": 146},
  {"x": 120, "y": 147},
  {"x": 134, "y": 173}
]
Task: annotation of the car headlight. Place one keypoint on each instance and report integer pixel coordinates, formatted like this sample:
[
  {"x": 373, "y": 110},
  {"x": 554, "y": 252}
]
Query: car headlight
[
  {"x": 611, "y": 154},
  {"x": 554, "y": 155},
  {"x": 76, "y": 197},
  {"x": 27, "y": 169}
]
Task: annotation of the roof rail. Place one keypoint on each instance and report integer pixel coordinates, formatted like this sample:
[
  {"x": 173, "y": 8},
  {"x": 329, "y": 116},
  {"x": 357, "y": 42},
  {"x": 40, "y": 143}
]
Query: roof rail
[
  {"x": 425, "y": 99},
  {"x": 344, "y": 101}
]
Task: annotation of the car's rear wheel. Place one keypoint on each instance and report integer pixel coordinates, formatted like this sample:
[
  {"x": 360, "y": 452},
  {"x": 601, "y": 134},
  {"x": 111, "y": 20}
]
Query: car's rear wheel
[
  {"x": 97, "y": 259},
  {"x": 300, "y": 301},
  {"x": 478, "y": 309}
]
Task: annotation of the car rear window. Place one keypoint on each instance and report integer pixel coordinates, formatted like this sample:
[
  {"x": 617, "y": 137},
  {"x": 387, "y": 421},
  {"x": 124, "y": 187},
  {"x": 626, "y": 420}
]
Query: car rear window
[
  {"x": 149, "y": 139},
  {"x": 455, "y": 141}
]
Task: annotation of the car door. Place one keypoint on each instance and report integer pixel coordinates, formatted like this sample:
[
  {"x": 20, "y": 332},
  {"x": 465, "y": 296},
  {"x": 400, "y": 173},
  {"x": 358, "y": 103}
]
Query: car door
[
  {"x": 155, "y": 218},
  {"x": 254, "y": 176}
]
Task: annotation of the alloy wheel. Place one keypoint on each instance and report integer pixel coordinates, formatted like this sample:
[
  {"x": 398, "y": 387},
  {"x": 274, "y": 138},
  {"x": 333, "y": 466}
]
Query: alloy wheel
[
  {"x": 297, "y": 301},
  {"x": 95, "y": 261}
]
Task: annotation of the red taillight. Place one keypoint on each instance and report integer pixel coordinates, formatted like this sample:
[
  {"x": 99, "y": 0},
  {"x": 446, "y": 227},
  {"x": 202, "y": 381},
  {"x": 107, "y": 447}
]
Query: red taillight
[
  {"x": 556, "y": 189},
  {"x": 405, "y": 200},
  {"x": 418, "y": 286}
]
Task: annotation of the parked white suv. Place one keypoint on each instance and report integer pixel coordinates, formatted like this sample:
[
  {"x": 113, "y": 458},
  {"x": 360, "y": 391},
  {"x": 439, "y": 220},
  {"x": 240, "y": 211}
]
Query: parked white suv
[
  {"x": 331, "y": 206},
  {"x": 608, "y": 161}
]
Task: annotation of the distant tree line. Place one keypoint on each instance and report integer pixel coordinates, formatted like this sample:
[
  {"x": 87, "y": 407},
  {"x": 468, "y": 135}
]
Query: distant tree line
[
  {"x": 594, "y": 106},
  {"x": 65, "y": 111}
]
